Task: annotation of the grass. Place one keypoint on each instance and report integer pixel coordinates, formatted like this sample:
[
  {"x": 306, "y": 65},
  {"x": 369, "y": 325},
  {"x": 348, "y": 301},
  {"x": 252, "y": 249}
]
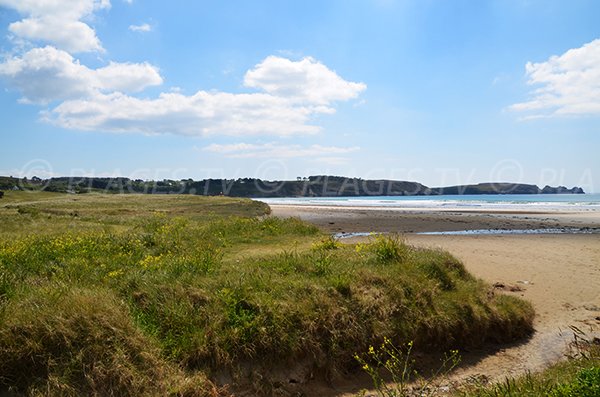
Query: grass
[
  {"x": 391, "y": 368},
  {"x": 83, "y": 341},
  {"x": 33, "y": 212},
  {"x": 393, "y": 374},
  {"x": 158, "y": 294},
  {"x": 577, "y": 377}
]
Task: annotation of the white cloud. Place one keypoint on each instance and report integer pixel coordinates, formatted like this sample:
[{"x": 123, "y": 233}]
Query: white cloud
[
  {"x": 72, "y": 9},
  {"x": 278, "y": 151},
  {"x": 127, "y": 77},
  {"x": 47, "y": 74},
  {"x": 201, "y": 114},
  {"x": 306, "y": 80},
  {"x": 57, "y": 22},
  {"x": 569, "y": 84},
  {"x": 140, "y": 28},
  {"x": 74, "y": 36},
  {"x": 289, "y": 93}
]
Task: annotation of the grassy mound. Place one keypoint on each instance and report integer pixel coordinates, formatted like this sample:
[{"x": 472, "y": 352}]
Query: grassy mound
[
  {"x": 128, "y": 309},
  {"x": 72, "y": 341}
]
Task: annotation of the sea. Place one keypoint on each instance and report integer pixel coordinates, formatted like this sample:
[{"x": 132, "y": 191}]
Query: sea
[
  {"x": 543, "y": 203},
  {"x": 500, "y": 202}
]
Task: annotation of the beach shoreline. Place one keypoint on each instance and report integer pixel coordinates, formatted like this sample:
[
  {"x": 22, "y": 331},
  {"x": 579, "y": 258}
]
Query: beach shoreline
[
  {"x": 355, "y": 219},
  {"x": 557, "y": 273}
]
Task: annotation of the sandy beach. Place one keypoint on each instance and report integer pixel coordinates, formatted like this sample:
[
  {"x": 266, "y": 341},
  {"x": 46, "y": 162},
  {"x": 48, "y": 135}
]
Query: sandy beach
[
  {"x": 373, "y": 219},
  {"x": 558, "y": 273}
]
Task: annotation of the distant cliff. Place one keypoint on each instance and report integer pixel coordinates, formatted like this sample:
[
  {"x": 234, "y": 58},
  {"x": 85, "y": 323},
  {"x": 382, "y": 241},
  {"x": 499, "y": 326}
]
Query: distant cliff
[
  {"x": 561, "y": 190},
  {"x": 505, "y": 188},
  {"x": 313, "y": 186}
]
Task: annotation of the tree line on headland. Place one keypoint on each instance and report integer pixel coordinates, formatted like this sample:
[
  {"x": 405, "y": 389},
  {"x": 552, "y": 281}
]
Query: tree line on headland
[{"x": 312, "y": 186}]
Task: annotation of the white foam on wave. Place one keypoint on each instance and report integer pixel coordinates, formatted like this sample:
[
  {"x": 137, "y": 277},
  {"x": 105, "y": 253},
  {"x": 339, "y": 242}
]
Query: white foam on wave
[
  {"x": 484, "y": 202},
  {"x": 479, "y": 232},
  {"x": 512, "y": 231}
]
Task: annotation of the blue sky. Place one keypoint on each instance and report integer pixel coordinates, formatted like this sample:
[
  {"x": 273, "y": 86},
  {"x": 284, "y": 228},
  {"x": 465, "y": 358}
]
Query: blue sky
[{"x": 441, "y": 92}]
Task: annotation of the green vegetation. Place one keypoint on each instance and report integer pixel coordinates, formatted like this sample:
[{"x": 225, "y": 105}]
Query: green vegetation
[
  {"x": 397, "y": 365},
  {"x": 505, "y": 188},
  {"x": 312, "y": 186},
  {"x": 392, "y": 371},
  {"x": 577, "y": 377},
  {"x": 140, "y": 294},
  {"x": 43, "y": 213},
  {"x": 321, "y": 185}
]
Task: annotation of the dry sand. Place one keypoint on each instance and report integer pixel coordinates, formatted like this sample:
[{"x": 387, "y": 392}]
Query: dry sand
[{"x": 558, "y": 273}]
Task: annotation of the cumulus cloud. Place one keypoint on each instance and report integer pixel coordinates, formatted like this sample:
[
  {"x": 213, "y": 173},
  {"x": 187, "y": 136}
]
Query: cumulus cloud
[
  {"x": 288, "y": 94},
  {"x": 569, "y": 84},
  {"x": 273, "y": 150},
  {"x": 58, "y": 22},
  {"x": 140, "y": 28},
  {"x": 305, "y": 80},
  {"x": 48, "y": 74},
  {"x": 127, "y": 77},
  {"x": 201, "y": 114},
  {"x": 72, "y": 8},
  {"x": 74, "y": 36}
]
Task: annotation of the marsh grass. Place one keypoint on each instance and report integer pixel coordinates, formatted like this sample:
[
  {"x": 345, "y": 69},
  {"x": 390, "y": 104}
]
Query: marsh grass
[{"x": 165, "y": 283}]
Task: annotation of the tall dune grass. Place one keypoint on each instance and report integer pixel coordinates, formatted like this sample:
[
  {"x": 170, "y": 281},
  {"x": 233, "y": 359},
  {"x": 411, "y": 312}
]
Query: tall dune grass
[{"x": 170, "y": 301}]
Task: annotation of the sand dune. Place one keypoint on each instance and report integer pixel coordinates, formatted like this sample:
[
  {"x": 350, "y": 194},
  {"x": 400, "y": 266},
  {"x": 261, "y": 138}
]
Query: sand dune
[{"x": 558, "y": 273}]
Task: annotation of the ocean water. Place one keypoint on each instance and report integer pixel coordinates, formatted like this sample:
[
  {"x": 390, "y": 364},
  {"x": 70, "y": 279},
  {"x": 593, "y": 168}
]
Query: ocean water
[{"x": 518, "y": 202}]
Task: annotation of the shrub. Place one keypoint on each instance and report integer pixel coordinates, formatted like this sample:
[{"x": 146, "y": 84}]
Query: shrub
[
  {"x": 389, "y": 248},
  {"x": 325, "y": 244}
]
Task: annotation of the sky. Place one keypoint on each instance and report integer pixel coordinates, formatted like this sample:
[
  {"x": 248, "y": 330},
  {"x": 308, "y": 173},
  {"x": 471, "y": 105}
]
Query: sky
[{"x": 439, "y": 92}]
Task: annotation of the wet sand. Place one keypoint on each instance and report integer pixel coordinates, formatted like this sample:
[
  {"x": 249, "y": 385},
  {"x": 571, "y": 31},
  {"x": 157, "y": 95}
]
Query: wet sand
[
  {"x": 558, "y": 273},
  {"x": 369, "y": 219}
]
